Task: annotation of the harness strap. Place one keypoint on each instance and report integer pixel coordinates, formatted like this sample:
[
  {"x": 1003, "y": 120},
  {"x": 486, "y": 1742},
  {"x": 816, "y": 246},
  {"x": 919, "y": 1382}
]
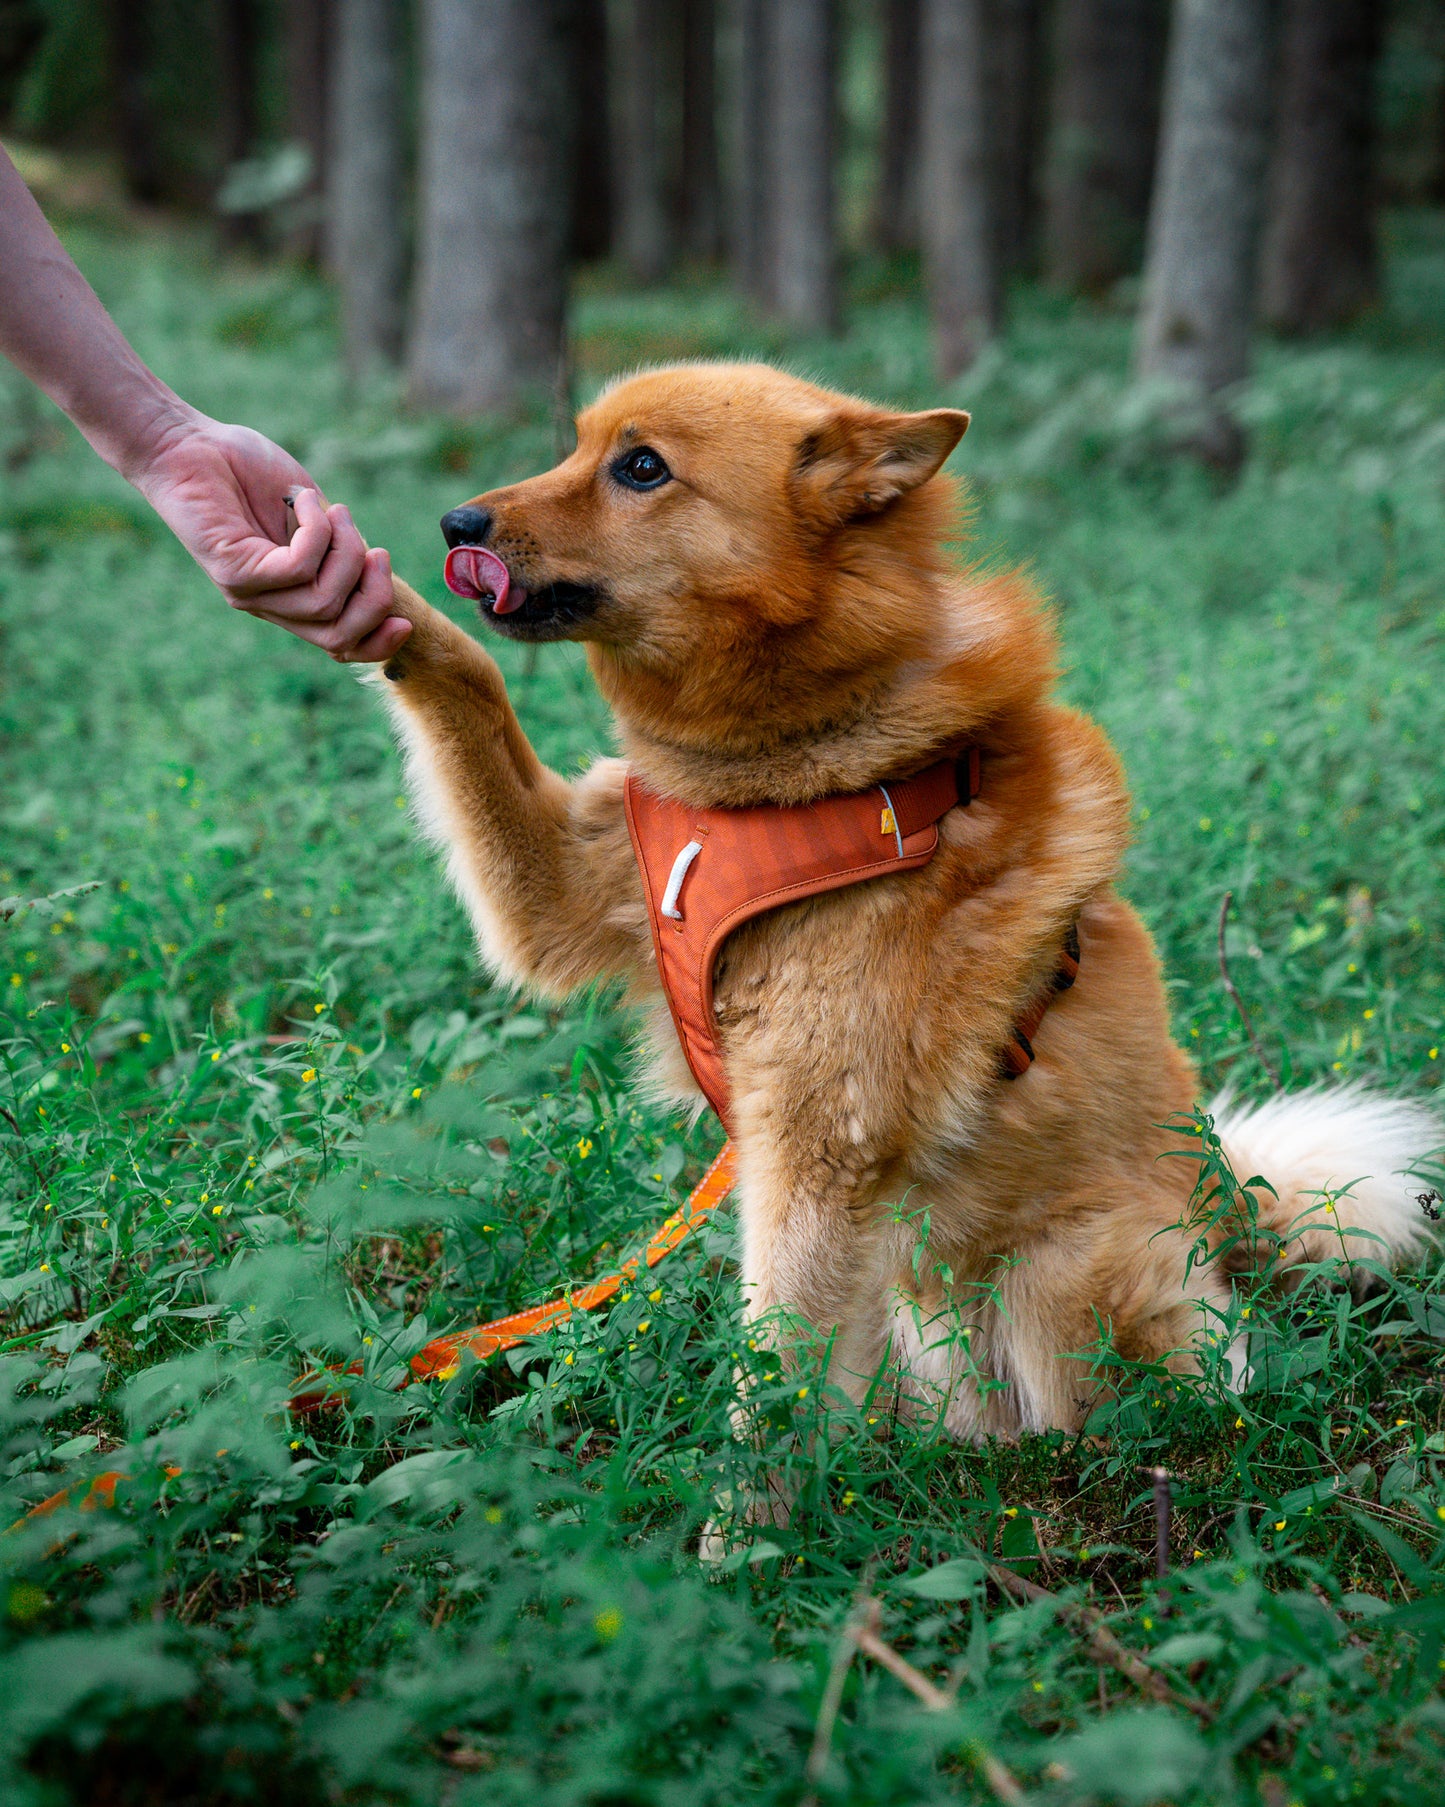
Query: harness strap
[
  {"x": 1018, "y": 1052},
  {"x": 705, "y": 872}
]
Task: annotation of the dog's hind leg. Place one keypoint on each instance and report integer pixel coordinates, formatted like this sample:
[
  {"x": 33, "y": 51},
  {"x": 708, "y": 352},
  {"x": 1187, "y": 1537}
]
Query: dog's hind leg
[{"x": 545, "y": 867}]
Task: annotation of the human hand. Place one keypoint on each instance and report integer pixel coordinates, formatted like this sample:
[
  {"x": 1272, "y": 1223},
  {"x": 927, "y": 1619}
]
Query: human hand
[{"x": 258, "y": 526}]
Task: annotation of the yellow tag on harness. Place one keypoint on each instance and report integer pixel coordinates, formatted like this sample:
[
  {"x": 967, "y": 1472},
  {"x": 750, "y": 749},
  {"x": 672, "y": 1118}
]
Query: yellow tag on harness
[{"x": 889, "y": 824}]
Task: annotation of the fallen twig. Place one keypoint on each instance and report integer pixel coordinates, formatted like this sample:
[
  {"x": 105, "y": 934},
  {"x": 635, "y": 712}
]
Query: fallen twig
[
  {"x": 830, "y": 1703},
  {"x": 1163, "y": 1510},
  {"x": 1104, "y": 1647},
  {"x": 866, "y": 1637},
  {"x": 1238, "y": 1001}
]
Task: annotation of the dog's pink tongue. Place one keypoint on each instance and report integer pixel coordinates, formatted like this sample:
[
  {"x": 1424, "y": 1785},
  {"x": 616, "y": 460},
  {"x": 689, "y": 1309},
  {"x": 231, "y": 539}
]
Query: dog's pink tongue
[{"x": 475, "y": 573}]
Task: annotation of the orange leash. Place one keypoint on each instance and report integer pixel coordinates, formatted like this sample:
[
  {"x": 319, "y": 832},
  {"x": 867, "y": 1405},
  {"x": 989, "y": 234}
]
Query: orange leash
[{"x": 442, "y": 1357}]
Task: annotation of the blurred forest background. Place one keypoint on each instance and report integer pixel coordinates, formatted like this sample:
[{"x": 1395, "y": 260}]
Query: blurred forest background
[
  {"x": 1214, "y": 165},
  {"x": 261, "y": 1112}
]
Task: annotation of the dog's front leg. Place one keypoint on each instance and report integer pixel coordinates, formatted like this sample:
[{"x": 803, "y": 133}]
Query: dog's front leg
[
  {"x": 817, "y": 1277},
  {"x": 545, "y": 867}
]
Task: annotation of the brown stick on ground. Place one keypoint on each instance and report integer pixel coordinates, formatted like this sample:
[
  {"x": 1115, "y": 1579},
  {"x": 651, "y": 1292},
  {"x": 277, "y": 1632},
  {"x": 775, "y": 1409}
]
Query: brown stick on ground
[
  {"x": 1163, "y": 1510},
  {"x": 1238, "y": 1001},
  {"x": 865, "y": 1635},
  {"x": 1104, "y": 1647}
]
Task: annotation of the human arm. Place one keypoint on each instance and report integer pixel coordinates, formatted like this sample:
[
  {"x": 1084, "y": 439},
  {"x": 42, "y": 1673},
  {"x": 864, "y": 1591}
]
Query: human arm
[{"x": 221, "y": 489}]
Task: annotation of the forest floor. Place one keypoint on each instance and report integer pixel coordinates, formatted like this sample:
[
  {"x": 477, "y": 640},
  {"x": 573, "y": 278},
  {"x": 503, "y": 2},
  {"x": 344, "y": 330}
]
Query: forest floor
[{"x": 259, "y": 1109}]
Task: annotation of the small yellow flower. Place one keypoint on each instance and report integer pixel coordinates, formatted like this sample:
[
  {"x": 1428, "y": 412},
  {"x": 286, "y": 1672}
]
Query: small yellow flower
[
  {"x": 295, "y": 1443},
  {"x": 65, "y": 1047},
  {"x": 1010, "y": 1511},
  {"x": 584, "y": 1148},
  {"x": 45, "y": 1267},
  {"x": 646, "y": 1324},
  {"x": 216, "y": 1210},
  {"x": 145, "y": 1035},
  {"x": 1368, "y": 1015},
  {"x": 1205, "y": 824},
  {"x": 15, "y": 979},
  {"x": 873, "y": 1421},
  {"x": 1148, "y": 1625},
  {"x": 308, "y": 1075},
  {"x": 318, "y": 1008},
  {"x": 654, "y": 1295},
  {"x": 1239, "y": 1424},
  {"x": 416, "y": 1091},
  {"x": 367, "y": 1341},
  {"x": 205, "y": 1198},
  {"x": 1280, "y": 1523},
  {"x": 802, "y": 1392},
  {"x": 493, "y": 1515},
  {"x": 849, "y": 1497},
  {"x": 1198, "y": 1555},
  {"x": 105, "y": 1223},
  {"x": 1400, "y": 1422},
  {"x": 215, "y": 1055},
  {"x": 1434, "y": 1054},
  {"x": 1245, "y": 1312},
  {"x": 567, "y": 1359},
  {"x": 607, "y": 1624}
]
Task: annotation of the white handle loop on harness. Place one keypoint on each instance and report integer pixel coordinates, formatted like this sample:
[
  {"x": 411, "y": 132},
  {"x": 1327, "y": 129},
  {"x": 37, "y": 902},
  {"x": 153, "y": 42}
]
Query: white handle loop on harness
[{"x": 674, "y": 884}]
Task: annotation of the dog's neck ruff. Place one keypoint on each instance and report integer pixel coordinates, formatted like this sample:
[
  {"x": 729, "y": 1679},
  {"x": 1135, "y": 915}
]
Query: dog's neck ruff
[{"x": 705, "y": 872}]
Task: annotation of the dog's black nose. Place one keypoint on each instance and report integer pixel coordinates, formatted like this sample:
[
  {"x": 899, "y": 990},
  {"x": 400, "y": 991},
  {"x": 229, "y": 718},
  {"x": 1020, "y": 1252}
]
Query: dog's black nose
[{"x": 466, "y": 526}]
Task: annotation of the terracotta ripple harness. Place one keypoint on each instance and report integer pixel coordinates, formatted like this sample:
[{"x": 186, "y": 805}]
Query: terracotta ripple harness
[{"x": 704, "y": 873}]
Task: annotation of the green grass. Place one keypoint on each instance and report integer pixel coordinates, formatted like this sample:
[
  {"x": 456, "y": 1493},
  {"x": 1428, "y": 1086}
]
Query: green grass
[{"x": 260, "y": 1110}]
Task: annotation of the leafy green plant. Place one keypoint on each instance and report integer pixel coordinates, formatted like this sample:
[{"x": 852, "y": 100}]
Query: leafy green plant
[{"x": 260, "y": 1114}]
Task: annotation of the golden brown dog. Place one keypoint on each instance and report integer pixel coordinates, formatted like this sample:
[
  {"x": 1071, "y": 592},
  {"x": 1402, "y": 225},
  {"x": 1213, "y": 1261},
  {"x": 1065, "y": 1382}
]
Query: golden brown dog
[{"x": 756, "y": 567}]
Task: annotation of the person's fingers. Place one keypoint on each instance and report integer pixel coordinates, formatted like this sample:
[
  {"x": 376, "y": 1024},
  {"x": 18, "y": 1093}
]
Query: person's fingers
[
  {"x": 269, "y": 568},
  {"x": 312, "y": 538},
  {"x": 369, "y": 609},
  {"x": 379, "y": 645}
]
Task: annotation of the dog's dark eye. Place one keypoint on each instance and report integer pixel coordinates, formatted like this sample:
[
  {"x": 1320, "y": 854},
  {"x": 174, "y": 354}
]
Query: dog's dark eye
[{"x": 642, "y": 469}]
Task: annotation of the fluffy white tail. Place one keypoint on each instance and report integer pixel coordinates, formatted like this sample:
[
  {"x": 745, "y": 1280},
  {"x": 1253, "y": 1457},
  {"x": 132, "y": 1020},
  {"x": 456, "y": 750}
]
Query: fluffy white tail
[{"x": 1345, "y": 1164}]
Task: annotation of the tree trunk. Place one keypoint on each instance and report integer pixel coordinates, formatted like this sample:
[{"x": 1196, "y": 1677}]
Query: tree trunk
[
  {"x": 1109, "y": 64},
  {"x": 1321, "y": 254},
  {"x": 959, "y": 260},
  {"x": 752, "y": 234},
  {"x": 805, "y": 252},
  {"x": 366, "y": 243},
  {"x": 701, "y": 209},
  {"x": 1015, "y": 53},
  {"x": 645, "y": 190},
  {"x": 135, "y": 124},
  {"x": 488, "y": 324},
  {"x": 240, "y": 32},
  {"x": 591, "y": 224},
  {"x": 1202, "y": 266},
  {"x": 895, "y": 205},
  {"x": 311, "y": 26}
]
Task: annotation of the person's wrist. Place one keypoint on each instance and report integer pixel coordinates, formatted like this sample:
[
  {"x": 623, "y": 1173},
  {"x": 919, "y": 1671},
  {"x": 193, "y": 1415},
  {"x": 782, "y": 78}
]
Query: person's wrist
[{"x": 154, "y": 425}]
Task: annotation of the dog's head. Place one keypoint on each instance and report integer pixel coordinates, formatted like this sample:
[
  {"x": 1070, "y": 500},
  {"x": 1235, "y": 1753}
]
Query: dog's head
[{"x": 720, "y": 527}]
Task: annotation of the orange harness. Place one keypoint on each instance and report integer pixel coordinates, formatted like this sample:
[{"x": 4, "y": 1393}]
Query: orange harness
[{"x": 704, "y": 873}]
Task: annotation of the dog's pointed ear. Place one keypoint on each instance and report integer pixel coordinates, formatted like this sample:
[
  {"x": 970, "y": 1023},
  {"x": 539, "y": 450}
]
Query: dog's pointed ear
[{"x": 857, "y": 463}]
